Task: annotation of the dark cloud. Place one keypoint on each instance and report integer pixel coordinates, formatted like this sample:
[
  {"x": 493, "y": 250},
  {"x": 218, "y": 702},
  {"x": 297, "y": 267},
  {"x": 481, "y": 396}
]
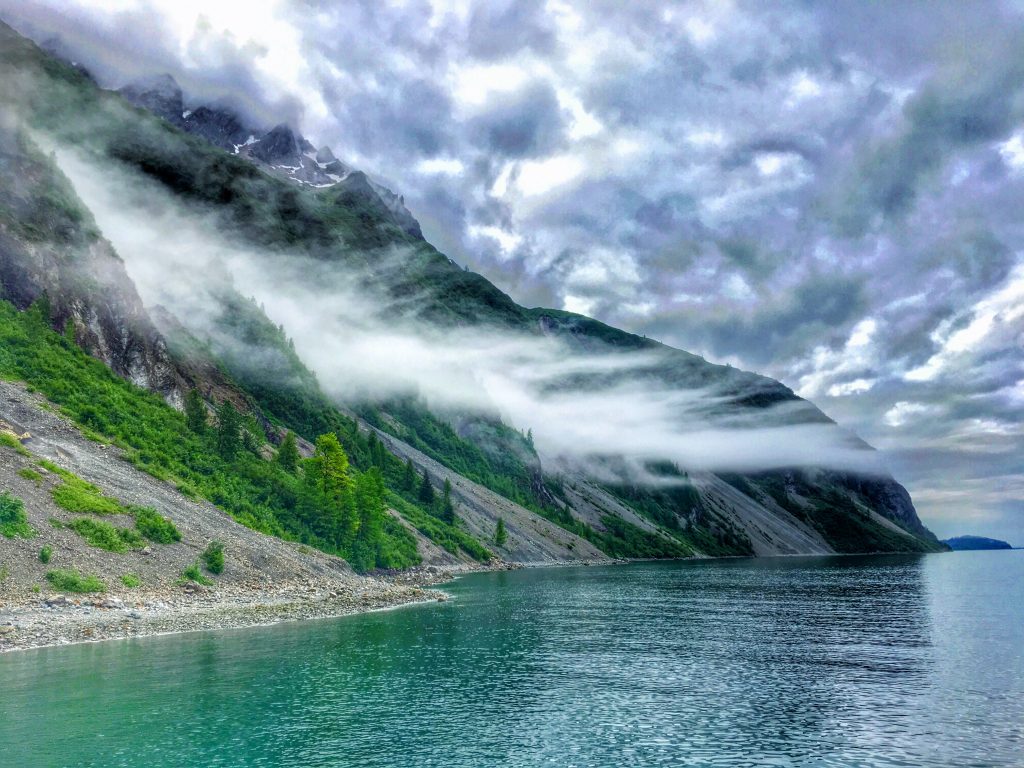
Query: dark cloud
[
  {"x": 979, "y": 101},
  {"x": 504, "y": 28},
  {"x": 527, "y": 122}
]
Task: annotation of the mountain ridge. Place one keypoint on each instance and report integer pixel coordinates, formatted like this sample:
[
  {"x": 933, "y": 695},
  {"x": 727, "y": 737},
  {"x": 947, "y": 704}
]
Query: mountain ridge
[{"x": 772, "y": 512}]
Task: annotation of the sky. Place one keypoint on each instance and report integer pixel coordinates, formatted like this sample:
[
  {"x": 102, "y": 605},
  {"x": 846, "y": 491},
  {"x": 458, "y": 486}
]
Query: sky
[{"x": 826, "y": 193}]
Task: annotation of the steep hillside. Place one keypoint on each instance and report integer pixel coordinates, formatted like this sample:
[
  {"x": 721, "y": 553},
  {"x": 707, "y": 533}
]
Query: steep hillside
[
  {"x": 351, "y": 223},
  {"x": 51, "y": 248}
]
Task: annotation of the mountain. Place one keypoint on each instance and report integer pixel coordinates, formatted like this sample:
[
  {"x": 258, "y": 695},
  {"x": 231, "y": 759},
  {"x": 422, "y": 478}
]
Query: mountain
[
  {"x": 962, "y": 543},
  {"x": 443, "y": 476},
  {"x": 279, "y": 150}
]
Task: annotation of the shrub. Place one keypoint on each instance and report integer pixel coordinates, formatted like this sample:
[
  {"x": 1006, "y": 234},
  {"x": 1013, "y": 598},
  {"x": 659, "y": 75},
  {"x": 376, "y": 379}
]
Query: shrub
[
  {"x": 155, "y": 527},
  {"x": 31, "y": 474},
  {"x": 13, "y": 521},
  {"x": 46, "y": 554},
  {"x": 78, "y": 496},
  {"x": 131, "y": 581},
  {"x": 98, "y": 533},
  {"x": 73, "y": 581},
  {"x": 192, "y": 573},
  {"x": 213, "y": 557},
  {"x": 56, "y": 469}
]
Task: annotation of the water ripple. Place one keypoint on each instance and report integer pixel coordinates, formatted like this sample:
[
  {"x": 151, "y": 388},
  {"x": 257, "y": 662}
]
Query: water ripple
[{"x": 894, "y": 661}]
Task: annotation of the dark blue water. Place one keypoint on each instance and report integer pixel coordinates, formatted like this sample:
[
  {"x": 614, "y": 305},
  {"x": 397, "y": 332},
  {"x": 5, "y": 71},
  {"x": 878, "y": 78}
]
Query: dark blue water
[{"x": 875, "y": 661}]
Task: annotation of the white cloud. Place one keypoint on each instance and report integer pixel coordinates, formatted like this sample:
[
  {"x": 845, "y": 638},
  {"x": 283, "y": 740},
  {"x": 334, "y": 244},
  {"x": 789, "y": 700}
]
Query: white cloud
[
  {"x": 994, "y": 321},
  {"x": 356, "y": 342},
  {"x": 829, "y": 368},
  {"x": 537, "y": 177},
  {"x": 1012, "y": 151},
  {"x": 855, "y": 387},
  {"x": 449, "y": 166},
  {"x": 903, "y": 412}
]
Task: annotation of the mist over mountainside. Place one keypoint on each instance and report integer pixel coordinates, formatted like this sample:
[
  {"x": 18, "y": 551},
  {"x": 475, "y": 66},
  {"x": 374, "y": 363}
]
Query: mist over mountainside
[{"x": 188, "y": 251}]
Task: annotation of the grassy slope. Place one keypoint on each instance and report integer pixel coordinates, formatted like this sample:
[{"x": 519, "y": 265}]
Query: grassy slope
[{"x": 255, "y": 492}]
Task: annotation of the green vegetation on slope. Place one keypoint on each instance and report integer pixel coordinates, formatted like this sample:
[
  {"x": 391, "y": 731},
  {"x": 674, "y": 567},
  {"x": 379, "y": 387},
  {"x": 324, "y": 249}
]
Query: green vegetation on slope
[
  {"x": 155, "y": 527},
  {"x": 80, "y": 497},
  {"x": 256, "y": 492},
  {"x": 101, "y": 534},
  {"x": 73, "y": 581},
  {"x": 10, "y": 441},
  {"x": 13, "y": 520}
]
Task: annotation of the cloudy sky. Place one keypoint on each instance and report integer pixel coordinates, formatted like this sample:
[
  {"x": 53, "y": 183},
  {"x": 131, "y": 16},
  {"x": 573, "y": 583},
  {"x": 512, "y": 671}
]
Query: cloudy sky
[{"x": 828, "y": 193}]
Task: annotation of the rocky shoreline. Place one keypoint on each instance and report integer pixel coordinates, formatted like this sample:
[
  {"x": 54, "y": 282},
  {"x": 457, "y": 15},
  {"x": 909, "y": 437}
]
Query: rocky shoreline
[
  {"x": 56, "y": 619},
  {"x": 60, "y": 619}
]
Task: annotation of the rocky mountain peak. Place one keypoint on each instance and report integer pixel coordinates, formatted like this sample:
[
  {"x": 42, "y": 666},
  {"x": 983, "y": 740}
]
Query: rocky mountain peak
[
  {"x": 160, "y": 94},
  {"x": 277, "y": 147},
  {"x": 283, "y": 150}
]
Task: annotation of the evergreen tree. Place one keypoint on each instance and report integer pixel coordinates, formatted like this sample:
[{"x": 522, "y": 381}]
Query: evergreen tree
[
  {"x": 229, "y": 423},
  {"x": 376, "y": 449},
  {"x": 370, "y": 492},
  {"x": 426, "y": 494},
  {"x": 500, "y": 534},
  {"x": 409, "y": 478},
  {"x": 447, "y": 508},
  {"x": 327, "y": 476},
  {"x": 288, "y": 453},
  {"x": 195, "y": 412}
]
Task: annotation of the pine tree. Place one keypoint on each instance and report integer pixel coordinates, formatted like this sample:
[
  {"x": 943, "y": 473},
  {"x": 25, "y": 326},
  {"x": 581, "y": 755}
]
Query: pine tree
[
  {"x": 370, "y": 492},
  {"x": 447, "y": 508},
  {"x": 376, "y": 450},
  {"x": 288, "y": 454},
  {"x": 409, "y": 479},
  {"x": 195, "y": 412},
  {"x": 500, "y": 534},
  {"x": 327, "y": 475},
  {"x": 229, "y": 423},
  {"x": 426, "y": 494}
]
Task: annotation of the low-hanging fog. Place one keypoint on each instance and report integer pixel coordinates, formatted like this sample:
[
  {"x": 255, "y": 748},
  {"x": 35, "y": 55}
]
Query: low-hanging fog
[{"x": 359, "y": 344}]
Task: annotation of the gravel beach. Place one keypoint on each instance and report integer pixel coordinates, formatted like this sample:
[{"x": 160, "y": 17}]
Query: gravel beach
[{"x": 61, "y": 619}]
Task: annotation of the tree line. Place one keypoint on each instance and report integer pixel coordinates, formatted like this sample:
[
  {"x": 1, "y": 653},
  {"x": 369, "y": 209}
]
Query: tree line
[{"x": 341, "y": 506}]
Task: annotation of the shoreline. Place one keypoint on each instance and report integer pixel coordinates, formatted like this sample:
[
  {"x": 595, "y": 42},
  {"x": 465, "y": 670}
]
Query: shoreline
[
  {"x": 33, "y": 621},
  {"x": 30, "y": 622},
  {"x": 59, "y": 620}
]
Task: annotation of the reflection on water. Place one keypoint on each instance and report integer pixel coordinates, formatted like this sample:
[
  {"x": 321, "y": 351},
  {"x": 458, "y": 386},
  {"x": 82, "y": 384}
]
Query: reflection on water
[{"x": 875, "y": 661}]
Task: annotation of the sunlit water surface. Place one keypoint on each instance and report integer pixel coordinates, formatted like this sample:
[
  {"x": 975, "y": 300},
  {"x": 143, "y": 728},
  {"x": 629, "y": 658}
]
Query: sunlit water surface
[{"x": 873, "y": 661}]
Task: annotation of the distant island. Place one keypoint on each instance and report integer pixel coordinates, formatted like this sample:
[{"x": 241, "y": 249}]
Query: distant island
[{"x": 959, "y": 543}]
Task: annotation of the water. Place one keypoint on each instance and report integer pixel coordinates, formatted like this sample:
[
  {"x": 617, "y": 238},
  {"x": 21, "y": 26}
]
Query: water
[{"x": 874, "y": 661}]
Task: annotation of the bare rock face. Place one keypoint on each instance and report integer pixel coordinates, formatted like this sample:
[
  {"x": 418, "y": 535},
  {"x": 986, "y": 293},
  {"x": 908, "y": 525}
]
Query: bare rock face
[
  {"x": 161, "y": 95},
  {"x": 280, "y": 146},
  {"x": 51, "y": 252},
  {"x": 218, "y": 126}
]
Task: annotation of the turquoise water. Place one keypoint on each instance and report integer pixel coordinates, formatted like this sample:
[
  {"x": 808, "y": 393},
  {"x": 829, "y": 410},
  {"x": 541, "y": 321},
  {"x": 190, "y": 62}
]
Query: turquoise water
[{"x": 873, "y": 661}]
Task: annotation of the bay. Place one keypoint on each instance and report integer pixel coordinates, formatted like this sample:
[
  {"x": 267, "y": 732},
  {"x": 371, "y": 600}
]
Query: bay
[{"x": 828, "y": 661}]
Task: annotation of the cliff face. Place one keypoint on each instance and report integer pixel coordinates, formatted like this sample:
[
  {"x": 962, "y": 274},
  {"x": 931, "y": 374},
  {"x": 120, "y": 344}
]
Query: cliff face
[{"x": 50, "y": 251}]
